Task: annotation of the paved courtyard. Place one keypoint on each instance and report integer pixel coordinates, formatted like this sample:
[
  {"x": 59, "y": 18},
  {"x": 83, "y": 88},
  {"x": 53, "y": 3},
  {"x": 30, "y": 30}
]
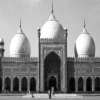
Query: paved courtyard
[{"x": 96, "y": 97}]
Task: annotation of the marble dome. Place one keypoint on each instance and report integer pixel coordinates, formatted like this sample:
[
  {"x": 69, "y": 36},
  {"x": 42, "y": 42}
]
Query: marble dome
[
  {"x": 1, "y": 40},
  {"x": 84, "y": 46},
  {"x": 52, "y": 29},
  {"x": 20, "y": 46},
  {"x": 1, "y": 43}
]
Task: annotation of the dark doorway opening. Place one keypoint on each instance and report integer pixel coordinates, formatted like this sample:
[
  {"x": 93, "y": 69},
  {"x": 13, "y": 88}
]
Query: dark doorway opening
[
  {"x": 24, "y": 84},
  {"x": 72, "y": 85},
  {"x": 52, "y": 65},
  {"x": 32, "y": 84},
  {"x": 80, "y": 84},
  {"x": 89, "y": 84},
  {"x": 7, "y": 84},
  {"x": 52, "y": 83},
  {"x": 97, "y": 84},
  {"x": 16, "y": 84}
]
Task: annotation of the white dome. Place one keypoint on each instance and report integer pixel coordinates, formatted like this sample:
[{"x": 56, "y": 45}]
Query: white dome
[
  {"x": 52, "y": 29},
  {"x": 85, "y": 46},
  {"x": 20, "y": 46},
  {"x": 1, "y": 43},
  {"x": 1, "y": 40}
]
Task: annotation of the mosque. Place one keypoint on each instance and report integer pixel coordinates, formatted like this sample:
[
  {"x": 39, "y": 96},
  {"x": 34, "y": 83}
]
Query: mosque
[{"x": 20, "y": 73}]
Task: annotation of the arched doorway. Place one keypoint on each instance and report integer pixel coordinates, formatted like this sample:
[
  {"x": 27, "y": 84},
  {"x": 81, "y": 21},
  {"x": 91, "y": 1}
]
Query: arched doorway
[
  {"x": 80, "y": 84},
  {"x": 72, "y": 85},
  {"x": 52, "y": 83},
  {"x": 52, "y": 65},
  {"x": 89, "y": 84},
  {"x": 16, "y": 84},
  {"x": 7, "y": 84},
  {"x": 32, "y": 84},
  {"x": 97, "y": 84},
  {"x": 24, "y": 84}
]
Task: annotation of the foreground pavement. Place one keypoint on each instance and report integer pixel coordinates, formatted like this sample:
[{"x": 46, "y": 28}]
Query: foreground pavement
[{"x": 54, "y": 97}]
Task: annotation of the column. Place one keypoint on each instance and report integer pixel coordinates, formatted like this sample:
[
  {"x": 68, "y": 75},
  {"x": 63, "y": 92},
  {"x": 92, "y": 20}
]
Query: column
[
  {"x": 11, "y": 84},
  {"x": 42, "y": 75},
  {"x": 93, "y": 84},
  {"x": 63, "y": 72},
  {"x": 76, "y": 84},
  {"x": 19, "y": 84},
  {"x": 84, "y": 84},
  {"x": 37, "y": 80},
  {"x": 3, "y": 84},
  {"x": 28, "y": 85}
]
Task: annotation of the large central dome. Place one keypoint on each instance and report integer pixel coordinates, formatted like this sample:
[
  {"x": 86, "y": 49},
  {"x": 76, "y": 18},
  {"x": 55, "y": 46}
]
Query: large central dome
[
  {"x": 52, "y": 29},
  {"x": 20, "y": 46}
]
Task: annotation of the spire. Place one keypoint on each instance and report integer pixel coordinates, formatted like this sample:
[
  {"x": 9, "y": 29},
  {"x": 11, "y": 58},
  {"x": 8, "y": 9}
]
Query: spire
[
  {"x": 20, "y": 27},
  {"x": 52, "y": 9},
  {"x": 84, "y": 24},
  {"x": 84, "y": 27},
  {"x": 52, "y": 17}
]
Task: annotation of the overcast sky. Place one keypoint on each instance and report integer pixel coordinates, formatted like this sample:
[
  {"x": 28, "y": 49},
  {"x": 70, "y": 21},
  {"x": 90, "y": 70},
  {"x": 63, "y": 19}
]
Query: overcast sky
[{"x": 34, "y": 13}]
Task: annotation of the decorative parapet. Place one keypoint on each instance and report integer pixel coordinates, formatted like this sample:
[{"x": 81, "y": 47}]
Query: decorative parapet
[
  {"x": 90, "y": 59},
  {"x": 52, "y": 41},
  {"x": 19, "y": 60}
]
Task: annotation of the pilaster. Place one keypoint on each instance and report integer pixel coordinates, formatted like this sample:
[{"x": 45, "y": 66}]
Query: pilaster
[
  {"x": 93, "y": 85},
  {"x": 84, "y": 84}
]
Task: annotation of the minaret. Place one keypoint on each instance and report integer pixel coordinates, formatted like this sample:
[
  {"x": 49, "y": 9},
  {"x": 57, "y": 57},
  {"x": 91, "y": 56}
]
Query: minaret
[{"x": 1, "y": 47}]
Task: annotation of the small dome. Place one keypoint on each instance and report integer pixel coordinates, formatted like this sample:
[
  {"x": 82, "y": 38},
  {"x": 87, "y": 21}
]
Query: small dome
[
  {"x": 84, "y": 46},
  {"x": 1, "y": 43},
  {"x": 52, "y": 29},
  {"x": 1, "y": 40},
  {"x": 20, "y": 46}
]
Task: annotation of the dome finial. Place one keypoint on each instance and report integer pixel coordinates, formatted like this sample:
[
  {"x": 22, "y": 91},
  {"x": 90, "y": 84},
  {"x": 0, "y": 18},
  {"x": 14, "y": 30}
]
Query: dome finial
[
  {"x": 52, "y": 9},
  {"x": 20, "y": 26},
  {"x": 52, "y": 17},
  {"x": 84, "y": 23},
  {"x": 84, "y": 27}
]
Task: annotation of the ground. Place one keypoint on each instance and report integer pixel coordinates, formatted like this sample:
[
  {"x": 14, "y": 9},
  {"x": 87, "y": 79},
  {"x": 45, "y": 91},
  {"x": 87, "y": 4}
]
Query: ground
[{"x": 21, "y": 98}]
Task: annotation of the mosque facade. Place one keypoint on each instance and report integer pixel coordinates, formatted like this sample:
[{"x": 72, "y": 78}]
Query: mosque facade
[{"x": 21, "y": 73}]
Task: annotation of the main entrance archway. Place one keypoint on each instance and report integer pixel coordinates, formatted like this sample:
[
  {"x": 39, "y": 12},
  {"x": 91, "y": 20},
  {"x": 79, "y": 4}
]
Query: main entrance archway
[
  {"x": 52, "y": 82},
  {"x": 52, "y": 65}
]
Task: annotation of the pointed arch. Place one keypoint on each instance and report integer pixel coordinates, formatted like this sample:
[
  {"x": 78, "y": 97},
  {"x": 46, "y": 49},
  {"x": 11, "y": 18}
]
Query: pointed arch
[
  {"x": 80, "y": 84},
  {"x": 89, "y": 84},
  {"x": 24, "y": 84},
  {"x": 97, "y": 84},
  {"x": 32, "y": 84},
  {"x": 16, "y": 84},
  {"x": 7, "y": 84},
  {"x": 72, "y": 85},
  {"x": 52, "y": 63}
]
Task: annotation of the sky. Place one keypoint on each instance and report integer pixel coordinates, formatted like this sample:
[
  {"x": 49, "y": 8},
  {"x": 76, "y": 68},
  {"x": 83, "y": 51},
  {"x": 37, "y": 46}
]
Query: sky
[{"x": 34, "y": 13}]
